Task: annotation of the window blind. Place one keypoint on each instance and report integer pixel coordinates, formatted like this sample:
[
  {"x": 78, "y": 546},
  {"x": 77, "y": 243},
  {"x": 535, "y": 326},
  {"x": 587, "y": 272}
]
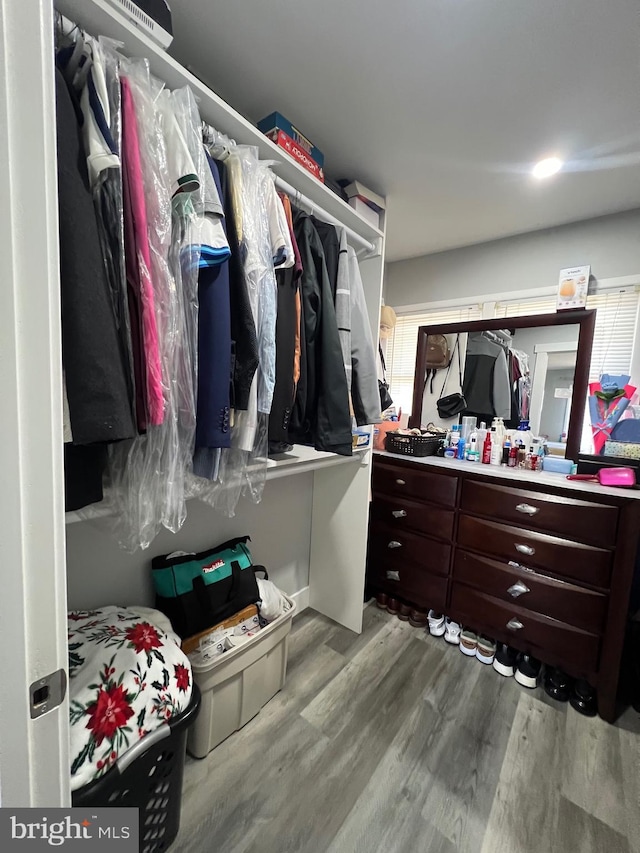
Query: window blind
[
  {"x": 615, "y": 330},
  {"x": 400, "y": 355}
]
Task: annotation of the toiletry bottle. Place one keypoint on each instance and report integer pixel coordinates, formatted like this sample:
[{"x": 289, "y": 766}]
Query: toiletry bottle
[
  {"x": 522, "y": 453},
  {"x": 505, "y": 452},
  {"x": 461, "y": 447},
  {"x": 524, "y": 433},
  {"x": 513, "y": 456},
  {"x": 472, "y": 446},
  {"x": 496, "y": 448},
  {"x": 455, "y": 436},
  {"x": 486, "y": 449},
  {"x": 481, "y": 435}
]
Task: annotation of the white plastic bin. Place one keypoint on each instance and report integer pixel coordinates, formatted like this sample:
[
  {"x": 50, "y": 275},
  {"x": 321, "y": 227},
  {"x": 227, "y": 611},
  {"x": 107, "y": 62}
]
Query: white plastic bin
[{"x": 238, "y": 684}]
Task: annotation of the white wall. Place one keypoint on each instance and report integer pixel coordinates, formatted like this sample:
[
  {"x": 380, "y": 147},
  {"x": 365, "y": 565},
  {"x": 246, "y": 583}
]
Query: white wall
[
  {"x": 611, "y": 244},
  {"x": 100, "y": 573}
]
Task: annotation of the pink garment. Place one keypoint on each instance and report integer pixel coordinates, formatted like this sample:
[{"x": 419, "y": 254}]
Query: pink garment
[{"x": 149, "y": 397}]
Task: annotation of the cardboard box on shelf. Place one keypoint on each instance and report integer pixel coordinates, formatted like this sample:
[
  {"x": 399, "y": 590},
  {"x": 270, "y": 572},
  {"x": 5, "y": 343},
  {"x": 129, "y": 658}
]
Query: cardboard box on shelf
[
  {"x": 284, "y": 141},
  {"x": 275, "y": 121}
]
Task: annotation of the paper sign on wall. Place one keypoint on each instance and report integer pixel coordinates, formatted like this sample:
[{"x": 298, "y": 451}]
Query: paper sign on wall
[{"x": 573, "y": 288}]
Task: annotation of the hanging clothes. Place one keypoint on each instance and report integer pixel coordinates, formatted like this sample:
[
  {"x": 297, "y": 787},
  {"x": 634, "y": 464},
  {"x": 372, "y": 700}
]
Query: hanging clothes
[
  {"x": 144, "y": 330},
  {"x": 364, "y": 385},
  {"x": 486, "y": 386},
  {"x": 96, "y": 381},
  {"x": 287, "y": 336},
  {"x": 321, "y": 412}
]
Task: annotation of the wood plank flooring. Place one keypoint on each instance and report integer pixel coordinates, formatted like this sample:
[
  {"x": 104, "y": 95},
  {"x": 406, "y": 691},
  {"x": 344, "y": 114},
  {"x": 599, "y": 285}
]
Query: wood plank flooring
[{"x": 393, "y": 741}]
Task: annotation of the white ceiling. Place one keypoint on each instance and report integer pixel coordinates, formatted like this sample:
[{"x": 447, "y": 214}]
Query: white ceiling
[{"x": 441, "y": 105}]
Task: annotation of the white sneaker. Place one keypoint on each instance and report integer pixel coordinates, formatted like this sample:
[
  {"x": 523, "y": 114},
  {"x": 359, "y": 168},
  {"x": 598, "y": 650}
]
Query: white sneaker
[
  {"x": 452, "y": 632},
  {"x": 436, "y": 623}
]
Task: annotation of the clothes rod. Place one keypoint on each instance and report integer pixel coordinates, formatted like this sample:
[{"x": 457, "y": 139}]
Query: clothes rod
[{"x": 326, "y": 217}]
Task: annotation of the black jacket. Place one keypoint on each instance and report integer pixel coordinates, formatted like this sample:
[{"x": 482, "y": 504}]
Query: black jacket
[{"x": 321, "y": 413}]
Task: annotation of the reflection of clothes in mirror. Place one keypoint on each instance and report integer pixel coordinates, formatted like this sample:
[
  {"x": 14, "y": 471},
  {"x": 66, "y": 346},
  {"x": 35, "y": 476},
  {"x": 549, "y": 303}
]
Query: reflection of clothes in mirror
[{"x": 486, "y": 386}]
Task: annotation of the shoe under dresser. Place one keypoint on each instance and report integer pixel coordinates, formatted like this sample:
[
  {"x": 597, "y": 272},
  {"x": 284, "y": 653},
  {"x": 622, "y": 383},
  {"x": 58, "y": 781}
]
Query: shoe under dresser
[{"x": 531, "y": 559}]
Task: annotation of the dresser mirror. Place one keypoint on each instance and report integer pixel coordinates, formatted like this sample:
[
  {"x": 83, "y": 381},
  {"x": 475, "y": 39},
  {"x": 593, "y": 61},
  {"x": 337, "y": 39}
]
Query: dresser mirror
[{"x": 534, "y": 368}]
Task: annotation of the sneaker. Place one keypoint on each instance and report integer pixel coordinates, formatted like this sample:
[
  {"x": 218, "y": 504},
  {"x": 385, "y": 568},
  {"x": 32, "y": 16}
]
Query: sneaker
[
  {"x": 452, "y": 631},
  {"x": 418, "y": 618},
  {"x": 584, "y": 698},
  {"x": 468, "y": 642},
  {"x": 403, "y": 613},
  {"x": 486, "y": 650},
  {"x": 505, "y": 660},
  {"x": 557, "y": 684},
  {"x": 436, "y": 623},
  {"x": 393, "y": 606},
  {"x": 528, "y": 671}
]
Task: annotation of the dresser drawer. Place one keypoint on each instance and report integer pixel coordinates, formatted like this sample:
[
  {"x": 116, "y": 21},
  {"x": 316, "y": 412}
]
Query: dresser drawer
[
  {"x": 415, "y": 482},
  {"x": 410, "y": 583},
  {"x": 397, "y": 548},
  {"x": 402, "y": 514},
  {"x": 589, "y": 522},
  {"x": 558, "y": 599},
  {"x": 577, "y": 647},
  {"x": 583, "y": 563}
]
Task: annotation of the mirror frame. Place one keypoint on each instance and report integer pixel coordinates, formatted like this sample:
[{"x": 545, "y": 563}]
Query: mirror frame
[{"x": 584, "y": 318}]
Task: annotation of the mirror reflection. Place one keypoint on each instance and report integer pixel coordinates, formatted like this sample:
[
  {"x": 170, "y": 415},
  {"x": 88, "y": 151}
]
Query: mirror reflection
[{"x": 525, "y": 376}]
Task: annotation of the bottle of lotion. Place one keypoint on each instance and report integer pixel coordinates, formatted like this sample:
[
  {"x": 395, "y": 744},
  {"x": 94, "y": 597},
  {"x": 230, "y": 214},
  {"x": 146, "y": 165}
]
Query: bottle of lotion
[{"x": 496, "y": 448}]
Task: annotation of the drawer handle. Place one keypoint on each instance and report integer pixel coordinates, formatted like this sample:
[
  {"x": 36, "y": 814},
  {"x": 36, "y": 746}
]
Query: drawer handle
[
  {"x": 514, "y": 624},
  {"x": 399, "y": 513},
  {"x": 394, "y": 544},
  {"x": 527, "y": 509},
  {"x": 401, "y": 482},
  {"x": 525, "y": 549},
  {"x": 393, "y": 576},
  {"x": 518, "y": 589}
]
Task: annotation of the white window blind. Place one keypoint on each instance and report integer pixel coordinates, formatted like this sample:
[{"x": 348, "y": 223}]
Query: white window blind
[
  {"x": 615, "y": 331},
  {"x": 400, "y": 356}
]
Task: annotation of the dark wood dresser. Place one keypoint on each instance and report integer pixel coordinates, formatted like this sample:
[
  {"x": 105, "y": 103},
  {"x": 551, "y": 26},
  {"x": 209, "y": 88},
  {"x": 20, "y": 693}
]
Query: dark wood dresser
[{"x": 528, "y": 558}]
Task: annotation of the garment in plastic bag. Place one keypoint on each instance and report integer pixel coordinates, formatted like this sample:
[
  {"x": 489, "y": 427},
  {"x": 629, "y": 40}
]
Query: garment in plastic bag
[{"x": 148, "y": 476}]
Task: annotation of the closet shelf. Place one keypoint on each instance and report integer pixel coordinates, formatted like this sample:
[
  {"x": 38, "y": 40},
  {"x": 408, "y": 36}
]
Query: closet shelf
[
  {"x": 300, "y": 460},
  {"x": 98, "y": 18}
]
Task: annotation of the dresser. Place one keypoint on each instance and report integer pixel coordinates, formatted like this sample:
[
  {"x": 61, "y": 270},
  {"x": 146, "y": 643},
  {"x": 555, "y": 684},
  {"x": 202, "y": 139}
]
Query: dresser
[{"x": 531, "y": 559}]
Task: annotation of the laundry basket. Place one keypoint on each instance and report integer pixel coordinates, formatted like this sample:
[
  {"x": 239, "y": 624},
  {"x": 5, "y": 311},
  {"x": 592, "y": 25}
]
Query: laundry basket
[{"x": 148, "y": 777}]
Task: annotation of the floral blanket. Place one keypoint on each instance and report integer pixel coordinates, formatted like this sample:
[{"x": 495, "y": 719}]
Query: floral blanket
[{"x": 128, "y": 676}]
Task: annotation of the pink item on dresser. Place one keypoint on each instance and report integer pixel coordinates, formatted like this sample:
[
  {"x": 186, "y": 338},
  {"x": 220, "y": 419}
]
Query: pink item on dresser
[{"x": 144, "y": 329}]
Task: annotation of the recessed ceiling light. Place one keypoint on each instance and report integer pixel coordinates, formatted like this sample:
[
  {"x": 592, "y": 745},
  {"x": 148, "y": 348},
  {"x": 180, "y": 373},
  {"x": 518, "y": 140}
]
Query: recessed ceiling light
[{"x": 546, "y": 168}]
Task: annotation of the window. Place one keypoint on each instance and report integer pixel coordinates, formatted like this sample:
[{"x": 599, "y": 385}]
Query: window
[
  {"x": 615, "y": 331},
  {"x": 401, "y": 349}
]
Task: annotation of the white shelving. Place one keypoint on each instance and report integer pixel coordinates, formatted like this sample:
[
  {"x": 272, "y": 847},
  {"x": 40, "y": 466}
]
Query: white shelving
[
  {"x": 98, "y": 18},
  {"x": 300, "y": 460}
]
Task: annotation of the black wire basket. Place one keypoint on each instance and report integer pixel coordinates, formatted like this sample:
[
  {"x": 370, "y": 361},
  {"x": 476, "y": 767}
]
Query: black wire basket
[
  {"x": 413, "y": 445},
  {"x": 148, "y": 777}
]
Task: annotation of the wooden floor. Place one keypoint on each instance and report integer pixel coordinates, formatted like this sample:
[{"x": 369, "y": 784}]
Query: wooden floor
[{"x": 394, "y": 741}]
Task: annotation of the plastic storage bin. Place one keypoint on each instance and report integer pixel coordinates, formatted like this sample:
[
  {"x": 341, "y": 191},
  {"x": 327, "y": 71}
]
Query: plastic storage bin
[
  {"x": 148, "y": 777},
  {"x": 238, "y": 684}
]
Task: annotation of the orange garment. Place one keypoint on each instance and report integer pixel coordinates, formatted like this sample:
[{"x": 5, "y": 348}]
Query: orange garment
[{"x": 286, "y": 203}]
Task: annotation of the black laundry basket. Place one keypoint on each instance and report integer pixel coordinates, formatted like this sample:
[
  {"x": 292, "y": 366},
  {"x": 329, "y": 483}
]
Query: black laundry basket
[{"x": 149, "y": 777}]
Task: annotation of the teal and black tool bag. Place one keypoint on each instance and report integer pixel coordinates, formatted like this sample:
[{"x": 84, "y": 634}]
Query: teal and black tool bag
[{"x": 197, "y": 591}]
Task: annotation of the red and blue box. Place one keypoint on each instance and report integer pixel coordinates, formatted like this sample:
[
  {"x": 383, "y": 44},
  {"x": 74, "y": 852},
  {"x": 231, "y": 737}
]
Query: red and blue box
[{"x": 286, "y": 136}]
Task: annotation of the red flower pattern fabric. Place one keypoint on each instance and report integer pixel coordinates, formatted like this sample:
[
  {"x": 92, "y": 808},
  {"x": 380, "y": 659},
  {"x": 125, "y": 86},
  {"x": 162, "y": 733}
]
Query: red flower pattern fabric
[{"x": 128, "y": 676}]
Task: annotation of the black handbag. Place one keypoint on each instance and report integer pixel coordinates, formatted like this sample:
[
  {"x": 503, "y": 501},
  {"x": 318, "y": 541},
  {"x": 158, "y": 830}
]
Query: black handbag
[
  {"x": 383, "y": 386},
  {"x": 452, "y": 404},
  {"x": 197, "y": 591}
]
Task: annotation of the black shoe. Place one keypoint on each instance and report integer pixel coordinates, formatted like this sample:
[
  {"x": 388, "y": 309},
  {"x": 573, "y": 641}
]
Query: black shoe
[
  {"x": 584, "y": 698},
  {"x": 505, "y": 660},
  {"x": 528, "y": 671},
  {"x": 558, "y": 684}
]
